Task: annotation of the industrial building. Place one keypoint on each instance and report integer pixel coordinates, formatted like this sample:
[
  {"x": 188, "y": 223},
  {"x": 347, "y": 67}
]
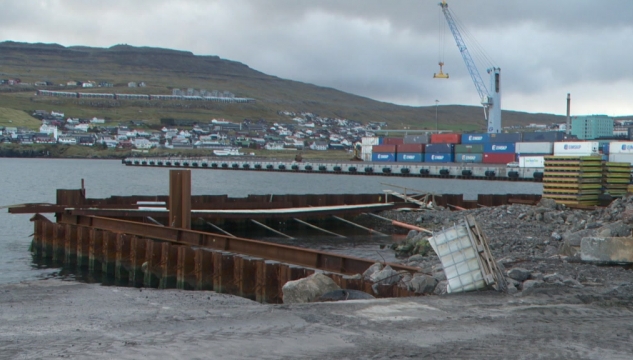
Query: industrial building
[{"x": 591, "y": 127}]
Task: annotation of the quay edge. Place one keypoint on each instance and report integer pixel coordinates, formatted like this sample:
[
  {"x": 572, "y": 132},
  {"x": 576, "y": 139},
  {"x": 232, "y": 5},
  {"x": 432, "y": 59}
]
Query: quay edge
[{"x": 444, "y": 170}]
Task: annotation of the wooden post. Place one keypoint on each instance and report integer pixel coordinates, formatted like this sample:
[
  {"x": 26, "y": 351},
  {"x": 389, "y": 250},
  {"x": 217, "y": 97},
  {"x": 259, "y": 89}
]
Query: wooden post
[
  {"x": 245, "y": 275},
  {"x": 180, "y": 199}
]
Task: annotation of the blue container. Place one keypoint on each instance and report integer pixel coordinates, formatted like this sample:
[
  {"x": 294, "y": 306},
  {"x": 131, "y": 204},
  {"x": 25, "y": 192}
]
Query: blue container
[
  {"x": 380, "y": 140},
  {"x": 383, "y": 157},
  {"x": 439, "y": 157},
  {"x": 475, "y": 138},
  {"x": 439, "y": 148},
  {"x": 505, "y": 138},
  {"x": 500, "y": 148},
  {"x": 605, "y": 149},
  {"x": 469, "y": 158},
  {"x": 410, "y": 157}
]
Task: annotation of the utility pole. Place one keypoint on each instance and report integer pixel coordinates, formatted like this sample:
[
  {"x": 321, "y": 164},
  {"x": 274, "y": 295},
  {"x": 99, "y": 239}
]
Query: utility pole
[{"x": 436, "y": 127}]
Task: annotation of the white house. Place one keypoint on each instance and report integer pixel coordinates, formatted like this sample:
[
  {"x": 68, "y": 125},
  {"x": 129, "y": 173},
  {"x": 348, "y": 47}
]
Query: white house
[
  {"x": 67, "y": 140},
  {"x": 47, "y": 129},
  {"x": 82, "y": 127},
  {"x": 319, "y": 145},
  {"x": 142, "y": 143},
  {"x": 95, "y": 120}
]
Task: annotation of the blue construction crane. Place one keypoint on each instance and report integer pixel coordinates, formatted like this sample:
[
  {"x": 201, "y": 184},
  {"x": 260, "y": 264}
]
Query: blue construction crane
[{"x": 490, "y": 100}]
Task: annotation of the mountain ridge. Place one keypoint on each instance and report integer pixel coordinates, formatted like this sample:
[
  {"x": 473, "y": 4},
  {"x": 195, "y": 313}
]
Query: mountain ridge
[{"x": 164, "y": 69}]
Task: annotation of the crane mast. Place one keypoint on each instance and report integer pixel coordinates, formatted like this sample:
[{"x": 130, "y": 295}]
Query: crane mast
[{"x": 490, "y": 100}]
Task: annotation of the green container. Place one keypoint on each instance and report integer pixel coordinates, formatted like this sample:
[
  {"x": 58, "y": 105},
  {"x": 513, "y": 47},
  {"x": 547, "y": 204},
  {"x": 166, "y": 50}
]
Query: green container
[{"x": 469, "y": 148}]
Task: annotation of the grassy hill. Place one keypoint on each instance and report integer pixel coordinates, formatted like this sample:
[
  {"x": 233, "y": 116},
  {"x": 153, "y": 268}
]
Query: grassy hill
[
  {"x": 17, "y": 118},
  {"x": 164, "y": 69}
]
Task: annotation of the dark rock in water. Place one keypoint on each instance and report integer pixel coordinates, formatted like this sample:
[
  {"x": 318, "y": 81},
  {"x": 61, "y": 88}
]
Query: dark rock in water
[{"x": 341, "y": 295}]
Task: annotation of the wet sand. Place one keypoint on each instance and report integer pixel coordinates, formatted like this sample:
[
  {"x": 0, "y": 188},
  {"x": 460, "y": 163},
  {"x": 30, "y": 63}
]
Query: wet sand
[{"x": 51, "y": 319}]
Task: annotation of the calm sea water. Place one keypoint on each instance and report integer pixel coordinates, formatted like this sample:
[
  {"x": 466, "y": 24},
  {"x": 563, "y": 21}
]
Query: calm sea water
[{"x": 35, "y": 180}]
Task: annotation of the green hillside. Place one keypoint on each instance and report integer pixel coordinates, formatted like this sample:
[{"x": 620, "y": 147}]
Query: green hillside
[{"x": 164, "y": 69}]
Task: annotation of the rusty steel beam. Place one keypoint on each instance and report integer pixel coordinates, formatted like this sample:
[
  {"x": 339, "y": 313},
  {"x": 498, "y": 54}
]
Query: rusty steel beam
[
  {"x": 286, "y": 254},
  {"x": 179, "y": 199}
]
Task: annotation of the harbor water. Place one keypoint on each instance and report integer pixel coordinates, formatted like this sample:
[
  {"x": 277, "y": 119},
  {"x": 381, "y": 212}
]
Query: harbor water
[{"x": 36, "y": 180}]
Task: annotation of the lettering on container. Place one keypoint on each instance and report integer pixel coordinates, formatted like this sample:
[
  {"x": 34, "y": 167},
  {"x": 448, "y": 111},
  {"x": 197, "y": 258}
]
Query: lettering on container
[
  {"x": 408, "y": 157},
  {"x": 499, "y": 147},
  {"x": 626, "y": 147},
  {"x": 572, "y": 146},
  {"x": 475, "y": 138},
  {"x": 381, "y": 156},
  {"x": 469, "y": 157},
  {"x": 437, "y": 157}
]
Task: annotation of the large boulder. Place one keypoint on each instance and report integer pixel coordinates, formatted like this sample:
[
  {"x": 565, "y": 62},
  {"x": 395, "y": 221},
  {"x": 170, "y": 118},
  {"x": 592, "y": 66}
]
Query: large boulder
[
  {"x": 519, "y": 274},
  {"x": 422, "y": 284},
  {"x": 547, "y": 203},
  {"x": 307, "y": 289},
  {"x": 371, "y": 271}
]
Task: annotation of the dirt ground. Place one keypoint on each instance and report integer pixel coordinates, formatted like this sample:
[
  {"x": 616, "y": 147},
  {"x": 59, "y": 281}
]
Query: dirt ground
[{"x": 51, "y": 319}]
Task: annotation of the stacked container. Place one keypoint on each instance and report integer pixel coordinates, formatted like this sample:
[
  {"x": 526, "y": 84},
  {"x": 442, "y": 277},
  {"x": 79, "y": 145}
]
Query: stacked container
[
  {"x": 621, "y": 151},
  {"x": 392, "y": 141},
  {"x": 530, "y": 154},
  {"x": 439, "y": 153},
  {"x": 576, "y": 148},
  {"x": 446, "y": 138},
  {"x": 410, "y": 152},
  {"x": 547, "y": 136},
  {"x": 499, "y": 153},
  {"x": 383, "y": 153},
  {"x": 471, "y": 149},
  {"x": 417, "y": 139},
  {"x": 367, "y": 143}
]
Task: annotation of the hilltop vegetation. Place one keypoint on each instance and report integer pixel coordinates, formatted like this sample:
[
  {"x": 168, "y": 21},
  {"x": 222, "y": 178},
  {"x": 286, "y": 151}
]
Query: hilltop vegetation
[{"x": 164, "y": 69}]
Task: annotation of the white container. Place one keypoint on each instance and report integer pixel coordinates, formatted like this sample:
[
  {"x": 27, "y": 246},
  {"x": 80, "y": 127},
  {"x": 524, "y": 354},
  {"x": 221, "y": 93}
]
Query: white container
[
  {"x": 534, "y": 148},
  {"x": 621, "y": 147},
  {"x": 621, "y": 158},
  {"x": 370, "y": 140},
  {"x": 576, "y": 148},
  {"x": 459, "y": 259},
  {"x": 531, "y": 161}
]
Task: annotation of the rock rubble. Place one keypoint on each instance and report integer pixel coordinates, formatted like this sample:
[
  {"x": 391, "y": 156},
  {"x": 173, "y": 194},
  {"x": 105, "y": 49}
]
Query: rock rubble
[{"x": 537, "y": 246}]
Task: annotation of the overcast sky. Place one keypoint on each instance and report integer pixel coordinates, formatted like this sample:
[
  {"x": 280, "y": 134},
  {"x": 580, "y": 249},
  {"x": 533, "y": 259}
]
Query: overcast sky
[{"x": 384, "y": 50}]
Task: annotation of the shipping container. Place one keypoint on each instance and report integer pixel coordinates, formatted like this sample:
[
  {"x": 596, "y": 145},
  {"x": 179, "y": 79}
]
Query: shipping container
[
  {"x": 531, "y": 161},
  {"x": 534, "y": 148},
  {"x": 410, "y": 148},
  {"x": 505, "y": 138},
  {"x": 622, "y": 157},
  {"x": 468, "y": 158},
  {"x": 576, "y": 148},
  {"x": 475, "y": 138},
  {"x": 366, "y": 140},
  {"x": 498, "y": 158},
  {"x": 446, "y": 138},
  {"x": 392, "y": 141},
  {"x": 621, "y": 147},
  {"x": 545, "y": 136},
  {"x": 417, "y": 139},
  {"x": 505, "y": 148},
  {"x": 383, "y": 157},
  {"x": 439, "y": 148},
  {"x": 439, "y": 157},
  {"x": 384, "y": 149},
  {"x": 604, "y": 149},
  {"x": 469, "y": 148},
  {"x": 410, "y": 157}
]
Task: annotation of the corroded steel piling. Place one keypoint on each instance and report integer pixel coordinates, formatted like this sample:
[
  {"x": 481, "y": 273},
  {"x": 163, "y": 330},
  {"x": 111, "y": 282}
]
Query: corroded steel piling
[{"x": 139, "y": 261}]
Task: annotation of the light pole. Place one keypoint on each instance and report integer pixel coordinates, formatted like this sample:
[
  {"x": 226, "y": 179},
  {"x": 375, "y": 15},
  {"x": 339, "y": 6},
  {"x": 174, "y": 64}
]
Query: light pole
[{"x": 436, "y": 127}]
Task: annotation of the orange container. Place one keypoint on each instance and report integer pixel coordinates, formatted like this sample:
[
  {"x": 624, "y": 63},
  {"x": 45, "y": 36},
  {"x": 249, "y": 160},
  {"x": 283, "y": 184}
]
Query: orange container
[{"x": 446, "y": 139}]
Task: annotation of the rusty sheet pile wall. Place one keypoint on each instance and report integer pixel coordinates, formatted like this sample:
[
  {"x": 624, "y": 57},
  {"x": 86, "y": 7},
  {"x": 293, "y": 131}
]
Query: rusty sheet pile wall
[{"x": 142, "y": 262}]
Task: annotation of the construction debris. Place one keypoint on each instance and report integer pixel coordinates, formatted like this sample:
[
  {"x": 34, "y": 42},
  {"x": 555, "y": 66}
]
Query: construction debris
[{"x": 536, "y": 246}]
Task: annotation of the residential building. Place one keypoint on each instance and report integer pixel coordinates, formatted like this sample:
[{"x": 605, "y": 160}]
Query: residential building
[{"x": 591, "y": 127}]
